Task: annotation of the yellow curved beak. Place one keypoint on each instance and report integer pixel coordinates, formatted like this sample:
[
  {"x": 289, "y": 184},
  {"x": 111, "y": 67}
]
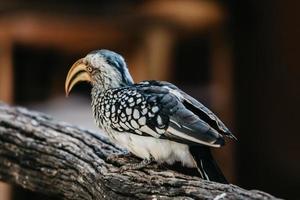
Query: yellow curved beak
[{"x": 76, "y": 74}]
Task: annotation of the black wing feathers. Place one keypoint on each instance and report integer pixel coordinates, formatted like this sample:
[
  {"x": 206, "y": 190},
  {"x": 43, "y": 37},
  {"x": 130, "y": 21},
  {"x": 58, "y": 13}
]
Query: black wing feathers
[
  {"x": 184, "y": 125},
  {"x": 197, "y": 108}
]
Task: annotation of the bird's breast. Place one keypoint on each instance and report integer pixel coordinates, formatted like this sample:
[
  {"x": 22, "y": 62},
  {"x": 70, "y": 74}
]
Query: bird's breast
[{"x": 162, "y": 150}]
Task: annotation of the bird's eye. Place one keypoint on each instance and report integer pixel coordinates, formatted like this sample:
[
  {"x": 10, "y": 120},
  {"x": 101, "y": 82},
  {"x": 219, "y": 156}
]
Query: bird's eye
[{"x": 89, "y": 69}]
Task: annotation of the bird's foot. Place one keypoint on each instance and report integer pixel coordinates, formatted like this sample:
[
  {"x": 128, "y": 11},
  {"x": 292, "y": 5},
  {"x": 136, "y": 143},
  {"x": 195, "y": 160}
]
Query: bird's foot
[
  {"x": 119, "y": 159},
  {"x": 114, "y": 157},
  {"x": 136, "y": 166}
]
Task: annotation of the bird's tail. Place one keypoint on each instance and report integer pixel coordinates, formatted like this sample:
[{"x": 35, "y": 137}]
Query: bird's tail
[{"x": 206, "y": 165}]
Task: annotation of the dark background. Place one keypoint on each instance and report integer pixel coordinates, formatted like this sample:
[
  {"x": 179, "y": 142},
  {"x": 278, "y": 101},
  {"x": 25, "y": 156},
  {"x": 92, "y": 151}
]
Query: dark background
[
  {"x": 241, "y": 58},
  {"x": 267, "y": 89}
]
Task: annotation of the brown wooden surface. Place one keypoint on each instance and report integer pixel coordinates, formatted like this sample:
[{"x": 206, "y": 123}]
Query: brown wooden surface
[{"x": 42, "y": 155}]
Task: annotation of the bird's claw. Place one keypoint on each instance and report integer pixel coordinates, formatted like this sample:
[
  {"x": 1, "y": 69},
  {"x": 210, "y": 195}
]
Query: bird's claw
[
  {"x": 136, "y": 166},
  {"x": 114, "y": 157}
]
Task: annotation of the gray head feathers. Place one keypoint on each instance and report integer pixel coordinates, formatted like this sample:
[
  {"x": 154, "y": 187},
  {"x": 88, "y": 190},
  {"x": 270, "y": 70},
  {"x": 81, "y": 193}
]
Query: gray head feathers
[{"x": 110, "y": 68}]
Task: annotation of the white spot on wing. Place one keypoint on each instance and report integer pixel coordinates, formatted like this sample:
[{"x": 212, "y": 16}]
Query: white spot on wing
[
  {"x": 113, "y": 108},
  {"x": 144, "y": 111},
  {"x": 136, "y": 114},
  {"x": 150, "y": 114},
  {"x": 134, "y": 124},
  {"x": 138, "y": 101},
  {"x": 142, "y": 121},
  {"x": 155, "y": 109},
  {"x": 159, "y": 120},
  {"x": 128, "y": 111}
]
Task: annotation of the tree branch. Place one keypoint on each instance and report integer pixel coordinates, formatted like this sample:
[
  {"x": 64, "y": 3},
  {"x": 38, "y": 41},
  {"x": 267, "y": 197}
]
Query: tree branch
[{"x": 57, "y": 158}]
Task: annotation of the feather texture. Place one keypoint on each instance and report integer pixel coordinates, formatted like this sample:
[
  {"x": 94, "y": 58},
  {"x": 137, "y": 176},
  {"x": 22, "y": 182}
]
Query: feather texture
[{"x": 158, "y": 109}]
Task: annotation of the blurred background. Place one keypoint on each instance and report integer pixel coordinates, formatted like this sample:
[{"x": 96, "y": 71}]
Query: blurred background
[{"x": 240, "y": 58}]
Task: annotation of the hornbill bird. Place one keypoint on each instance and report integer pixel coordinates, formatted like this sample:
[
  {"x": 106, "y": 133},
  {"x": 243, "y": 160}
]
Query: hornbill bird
[{"x": 154, "y": 120}]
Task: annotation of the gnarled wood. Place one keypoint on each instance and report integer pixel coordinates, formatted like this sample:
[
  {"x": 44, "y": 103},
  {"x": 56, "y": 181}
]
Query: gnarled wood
[{"x": 57, "y": 158}]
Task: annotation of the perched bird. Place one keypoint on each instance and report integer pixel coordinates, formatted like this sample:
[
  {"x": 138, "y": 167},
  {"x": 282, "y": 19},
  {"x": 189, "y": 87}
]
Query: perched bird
[{"x": 154, "y": 120}]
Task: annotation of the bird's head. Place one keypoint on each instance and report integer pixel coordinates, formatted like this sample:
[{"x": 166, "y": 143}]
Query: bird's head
[{"x": 104, "y": 69}]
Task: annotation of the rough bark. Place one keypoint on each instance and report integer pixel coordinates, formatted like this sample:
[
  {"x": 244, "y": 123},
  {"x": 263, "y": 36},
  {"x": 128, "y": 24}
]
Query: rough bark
[{"x": 57, "y": 158}]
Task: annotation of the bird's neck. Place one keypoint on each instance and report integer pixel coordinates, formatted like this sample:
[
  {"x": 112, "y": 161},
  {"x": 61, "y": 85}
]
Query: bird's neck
[
  {"x": 98, "y": 90},
  {"x": 111, "y": 79},
  {"x": 105, "y": 85}
]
